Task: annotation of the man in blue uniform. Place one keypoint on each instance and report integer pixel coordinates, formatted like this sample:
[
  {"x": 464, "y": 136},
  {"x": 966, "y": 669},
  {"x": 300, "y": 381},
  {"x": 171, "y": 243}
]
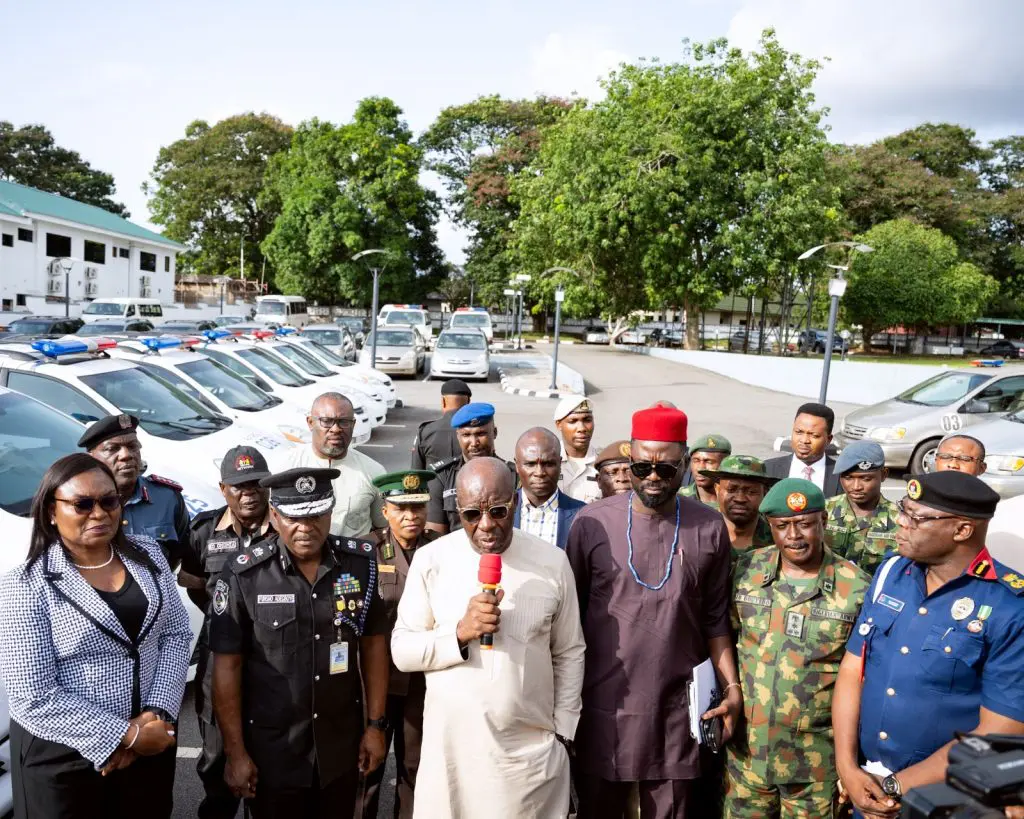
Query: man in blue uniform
[
  {"x": 938, "y": 647},
  {"x": 151, "y": 505}
]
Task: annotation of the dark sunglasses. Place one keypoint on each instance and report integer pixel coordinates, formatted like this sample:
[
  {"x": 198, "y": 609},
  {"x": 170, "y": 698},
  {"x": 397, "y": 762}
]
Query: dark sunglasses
[
  {"x": 84, "y": 506},
  {"x": 473, "y": 515},
  {"x": 665, "y": 471}
]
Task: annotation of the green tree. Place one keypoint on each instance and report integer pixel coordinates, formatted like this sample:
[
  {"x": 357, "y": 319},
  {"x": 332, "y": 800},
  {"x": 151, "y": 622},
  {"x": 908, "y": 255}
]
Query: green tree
[
  {"x": 687, "y": 180},
  {"x": 476, "y": 148},
  {"x": 914, "y": 278},
  {"x": 1005, "y": 177},
  {"x": 349, "y": 188},
  {"x": 30, "y": 156},
  {"x": 206, "y": 191}
]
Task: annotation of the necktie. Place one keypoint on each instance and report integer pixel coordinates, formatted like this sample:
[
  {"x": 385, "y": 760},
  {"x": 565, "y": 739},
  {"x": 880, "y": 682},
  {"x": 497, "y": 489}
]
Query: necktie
[{"x": 808, "y": 472}]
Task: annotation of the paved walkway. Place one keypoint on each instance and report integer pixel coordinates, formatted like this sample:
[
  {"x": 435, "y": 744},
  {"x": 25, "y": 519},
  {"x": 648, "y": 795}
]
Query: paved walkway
[{"x": 527, "y": 374}]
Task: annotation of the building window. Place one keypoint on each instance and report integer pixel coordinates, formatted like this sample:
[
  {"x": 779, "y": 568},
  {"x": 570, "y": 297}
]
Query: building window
[
  {"x": 113, "y": 251},
  {"x": 24, "y": 235},
  {"x": 19, "y": 300},
  {"x": 57, "y": 245},
  {"x": 8, "y": 240},
  {"x": 124, "y": 253},
  {"x": 95, "y": 252},
  {"x": 167, "y": 264},
  {"x": 147, "y": 261}
]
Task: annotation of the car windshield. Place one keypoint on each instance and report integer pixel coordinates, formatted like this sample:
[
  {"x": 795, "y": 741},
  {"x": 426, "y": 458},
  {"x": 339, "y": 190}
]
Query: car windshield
[
  {"x": 471, "y": 320},
  {"x": 943, "y": 389},
  {"x": 32, "y": 437},
  {"x": 103, "y": 308},
  {"x": 406, "y": 317},
  {"x": 323, "y": 352},
  {"x": 236, "y": 392},
  {"x": 302, "y": 360},
  {"x": 274, "y": 368},
  {"x": 238, "y": 368},
  {"x": 100, "y": 328},
  {"x": 392, "y": 338},
  {"x": 181, "y": 325},
  {"x": 271, "y": 308},
  {"x": 352, "y": 323},
  {"x": 325, "y": 336},
  {"x": 462, "y": 341},
  {"x": 162, "y": 408},
  {"x": 31, "y": 327}
]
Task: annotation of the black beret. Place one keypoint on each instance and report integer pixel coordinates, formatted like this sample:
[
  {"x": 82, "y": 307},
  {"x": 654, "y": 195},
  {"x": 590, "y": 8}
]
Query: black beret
[
  {"x": 303, "y": 492},
  {"x": 109, "y": 427},
  {"x": 955, "y": 492},
  {"x": 456, "y": 386}
]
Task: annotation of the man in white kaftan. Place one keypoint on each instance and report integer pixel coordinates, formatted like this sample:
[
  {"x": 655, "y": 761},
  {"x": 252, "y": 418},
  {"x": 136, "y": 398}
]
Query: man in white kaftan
[{"x": 497, "y": 723}]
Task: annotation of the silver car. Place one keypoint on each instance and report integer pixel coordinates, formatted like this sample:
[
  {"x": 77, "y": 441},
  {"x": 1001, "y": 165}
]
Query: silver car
[
  {"x": 910, "y": 426},
  {"x": 400, "y": 350},
  {"x": 1004, "y": 453},
  {"x": 335, "y": 337},
  {"x": 460, "y": 353}
]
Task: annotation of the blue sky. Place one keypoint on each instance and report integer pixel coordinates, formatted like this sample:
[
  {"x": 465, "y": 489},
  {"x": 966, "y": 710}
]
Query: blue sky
[{"x": 117, "y": 80}]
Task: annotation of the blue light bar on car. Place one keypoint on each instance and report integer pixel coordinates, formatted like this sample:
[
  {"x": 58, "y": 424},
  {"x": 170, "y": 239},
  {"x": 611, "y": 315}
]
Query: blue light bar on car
[
  {"x": 213, "y": 335},
  {"x": 286, "y": 331},
  {"x": 52, "y": 349},
  {"x": 159, "y": 343}
]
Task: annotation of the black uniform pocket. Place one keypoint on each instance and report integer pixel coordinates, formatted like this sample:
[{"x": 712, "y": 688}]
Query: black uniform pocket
[{"x": 275, "y": 625}]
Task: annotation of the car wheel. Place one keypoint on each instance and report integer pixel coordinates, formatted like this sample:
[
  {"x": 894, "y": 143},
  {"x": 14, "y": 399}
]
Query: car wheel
[{"x": 924, "y": 457}]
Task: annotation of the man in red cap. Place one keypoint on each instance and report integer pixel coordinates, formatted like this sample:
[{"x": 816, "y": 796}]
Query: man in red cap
[{"x": 646, "y": 629}]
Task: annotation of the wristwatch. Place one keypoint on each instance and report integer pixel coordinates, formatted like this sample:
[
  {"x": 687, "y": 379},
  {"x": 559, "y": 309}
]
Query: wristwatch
[
  {"x": 891, "y": 787},
  {"x": 381, "y": 724},
  {"x": 568, "y": 744}
]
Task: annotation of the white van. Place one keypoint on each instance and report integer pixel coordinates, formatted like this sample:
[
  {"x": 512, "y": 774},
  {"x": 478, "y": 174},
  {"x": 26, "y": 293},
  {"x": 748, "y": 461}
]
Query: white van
[
  {"x": 411, "y": 315},
  {"x": 106, "y": 309},
  {"x": 476, "y": 318},
  {"x": 282, "y": 310}
]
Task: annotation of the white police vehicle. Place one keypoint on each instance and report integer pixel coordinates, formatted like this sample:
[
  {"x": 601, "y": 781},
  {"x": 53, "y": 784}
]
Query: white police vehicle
[
  {"x": 77, "y": 376},
  {"x": 461, "y": 354},
  {"x": 257, "y": 365},
  {"x": 212, "y": 382},
  {"x": 412, "y": 315},
  {"x": 472, "y": 318}
]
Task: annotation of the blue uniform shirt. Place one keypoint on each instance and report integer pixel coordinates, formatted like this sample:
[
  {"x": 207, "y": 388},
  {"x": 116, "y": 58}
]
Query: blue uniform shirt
[
  {"x": 157, "y": 509},
  {"x": 930, "y": 662}
]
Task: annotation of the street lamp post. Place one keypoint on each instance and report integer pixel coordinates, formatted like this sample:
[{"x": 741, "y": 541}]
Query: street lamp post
[
  {"x": 511, "y": 293},
  {"x": 223, "y": 282},
  {"x": 836, "y": 289},
  {"x": 376, "y": 293},
  {"x": 521, "y": 278},
  {"x": 559, "y": 298}
]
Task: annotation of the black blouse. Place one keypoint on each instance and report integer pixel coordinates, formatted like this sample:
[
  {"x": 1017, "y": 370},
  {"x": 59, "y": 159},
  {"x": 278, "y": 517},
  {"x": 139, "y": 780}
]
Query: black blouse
[{"x": 129, "y": 605}]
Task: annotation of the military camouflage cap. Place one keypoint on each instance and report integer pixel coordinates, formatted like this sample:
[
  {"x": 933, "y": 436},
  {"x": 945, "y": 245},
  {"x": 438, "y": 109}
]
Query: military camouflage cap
[
  {"x": 791, "y": 497},
  {"x": 711, "y": 443},
  {"x": 740, "y": 466}
]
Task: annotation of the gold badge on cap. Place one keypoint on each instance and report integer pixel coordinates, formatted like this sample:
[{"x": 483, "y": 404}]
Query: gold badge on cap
[
  {"x": 411, "y": 482},
  {"x": 914, "y": 489},
  {"x": 624, "y": 449},
  {"x": 305, "y": 485},
  {"x": 962, "y": 608},
  {"x": 711, "y": 441},
  {"x": 796, "y": 501},
  {"x": 124, "y": 421}
]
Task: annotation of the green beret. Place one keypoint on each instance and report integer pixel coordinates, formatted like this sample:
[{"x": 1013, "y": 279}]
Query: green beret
[
  {"x": 711, "y": 443},
  {"x": 791, "y": 497},
  {"x": 741, "y": 466},
  {"x": 407, "y": 486}
]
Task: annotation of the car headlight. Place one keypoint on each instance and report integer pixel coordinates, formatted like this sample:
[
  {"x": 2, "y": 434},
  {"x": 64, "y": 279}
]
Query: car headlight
[
  {"x": 297, "y": 435},
  {"x": 1006, "y": 463},
  {"x": 887, "y": 433}
]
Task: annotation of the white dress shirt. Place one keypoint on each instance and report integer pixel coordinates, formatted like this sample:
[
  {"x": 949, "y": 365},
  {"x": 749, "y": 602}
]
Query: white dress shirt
[
  {"x": 541, "y": 521},
  {"x": 797, "y": 469},
  {"x": 358, "y": 507}
]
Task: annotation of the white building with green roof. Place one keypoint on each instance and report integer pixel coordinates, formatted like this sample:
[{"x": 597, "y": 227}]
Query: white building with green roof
[{"x": 108, "y": 256}]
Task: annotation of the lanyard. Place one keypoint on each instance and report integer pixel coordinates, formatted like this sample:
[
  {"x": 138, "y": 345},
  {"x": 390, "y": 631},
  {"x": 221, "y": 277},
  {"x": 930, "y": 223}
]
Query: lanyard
[{"x": 671, "y": 554}]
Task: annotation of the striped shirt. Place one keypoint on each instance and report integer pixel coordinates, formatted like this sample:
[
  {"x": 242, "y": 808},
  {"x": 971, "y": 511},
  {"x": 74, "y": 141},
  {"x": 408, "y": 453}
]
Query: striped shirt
[{"x": 542, "y": 520}]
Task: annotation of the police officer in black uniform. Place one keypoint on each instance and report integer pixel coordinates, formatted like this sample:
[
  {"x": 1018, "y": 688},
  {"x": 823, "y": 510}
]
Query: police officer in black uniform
[
  {"x": 218, "y": 537},
  {"x": 405, "y": 507},
  {"x": 474, "y": 426},
  {"x": 293, "y": 623},
  {"x": 151, "y": 505},
  {"x": 436, "y": 441}
]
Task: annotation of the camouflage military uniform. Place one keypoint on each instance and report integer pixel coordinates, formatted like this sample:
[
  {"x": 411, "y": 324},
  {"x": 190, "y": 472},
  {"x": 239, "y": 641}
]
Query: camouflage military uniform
[
  {"x": 691, "y": 492},
  {"x": 782, "y": 760},
  {"x": 864, "y": 541}
]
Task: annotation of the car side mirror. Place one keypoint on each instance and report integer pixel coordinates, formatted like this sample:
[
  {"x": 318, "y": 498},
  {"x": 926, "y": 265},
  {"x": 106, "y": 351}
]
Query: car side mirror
[{"x": 977, "y": 405}]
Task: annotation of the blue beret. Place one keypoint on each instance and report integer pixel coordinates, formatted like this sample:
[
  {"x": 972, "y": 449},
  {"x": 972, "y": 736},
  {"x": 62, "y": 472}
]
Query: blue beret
[
  {"x": 473, "y": 415},
  {"x": 863, "y": 456}
]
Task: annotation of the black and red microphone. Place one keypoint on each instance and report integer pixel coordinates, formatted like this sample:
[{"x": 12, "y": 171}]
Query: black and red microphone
[{"x": 489, "y": 575}]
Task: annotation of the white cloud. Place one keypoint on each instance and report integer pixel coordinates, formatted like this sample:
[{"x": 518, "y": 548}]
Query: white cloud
[
  {"x": 573, "y": 64},
  {"x": 894, "y": 64}
]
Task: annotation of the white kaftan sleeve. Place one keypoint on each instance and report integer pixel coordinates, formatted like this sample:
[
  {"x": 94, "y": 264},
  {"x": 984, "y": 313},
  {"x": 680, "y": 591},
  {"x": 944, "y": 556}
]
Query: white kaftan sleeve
[
  {"x": 567, "y": 650},
  {"x": 417, "y": 643}
]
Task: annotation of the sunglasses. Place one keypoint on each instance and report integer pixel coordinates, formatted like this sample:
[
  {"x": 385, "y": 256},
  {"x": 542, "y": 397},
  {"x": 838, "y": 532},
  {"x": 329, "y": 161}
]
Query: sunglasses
[
  {"x": 665, "y": 471},
  {"x": 473, "y": 515},
  {"x": 84, "y": 506}
]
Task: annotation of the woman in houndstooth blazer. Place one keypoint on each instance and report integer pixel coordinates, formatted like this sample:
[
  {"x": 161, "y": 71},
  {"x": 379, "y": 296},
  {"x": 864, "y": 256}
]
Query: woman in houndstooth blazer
[{"x": 94, "y": 653}]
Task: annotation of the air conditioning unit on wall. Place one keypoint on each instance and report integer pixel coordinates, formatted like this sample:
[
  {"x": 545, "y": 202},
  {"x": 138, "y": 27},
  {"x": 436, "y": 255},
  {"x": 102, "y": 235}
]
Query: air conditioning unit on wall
[
  {"x": 91, "y": 288},
  {"x": 145, "y": 281},
  {"x": 145, "y": 292},
  {"x": 91, "y": 272},
  {"x": 54, "y": 286}
]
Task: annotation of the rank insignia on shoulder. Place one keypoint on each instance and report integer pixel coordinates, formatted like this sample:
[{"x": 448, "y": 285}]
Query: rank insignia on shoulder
[
  {"x": 355, "y": 546},
  {"x": 980, "y": 568},
  {"x": 1014, "y": 581},
  {"x": 242, "y": 559},
  {"x": 162, "y": 481},
  {"x": 246, "y": 560}
]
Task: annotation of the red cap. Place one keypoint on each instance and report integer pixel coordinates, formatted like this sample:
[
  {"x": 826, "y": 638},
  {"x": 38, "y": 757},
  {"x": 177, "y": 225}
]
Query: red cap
[
  {"x": 659, "y": 424},
  {"x": 489, "y": 572}
]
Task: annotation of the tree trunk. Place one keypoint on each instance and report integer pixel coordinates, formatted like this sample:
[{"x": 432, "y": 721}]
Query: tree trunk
[{"x": 692, "y": 310}]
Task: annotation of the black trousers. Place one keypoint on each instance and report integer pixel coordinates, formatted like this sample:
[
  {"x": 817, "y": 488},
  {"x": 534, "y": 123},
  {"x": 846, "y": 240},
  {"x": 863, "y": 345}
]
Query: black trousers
[
  {"x": 659, "y": 798},
  {"x": 219, "y": 802},
  {"x": 54, "y": 781},
  {"x": 338, "y": 799},
  {"x": 405, "y": 718}
]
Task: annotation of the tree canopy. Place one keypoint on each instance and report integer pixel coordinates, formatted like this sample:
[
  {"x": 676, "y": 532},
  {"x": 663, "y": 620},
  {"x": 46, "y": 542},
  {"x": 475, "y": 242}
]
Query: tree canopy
[
  {"x": 347, "y": 188},
  {"x": 30, "y": 156}
]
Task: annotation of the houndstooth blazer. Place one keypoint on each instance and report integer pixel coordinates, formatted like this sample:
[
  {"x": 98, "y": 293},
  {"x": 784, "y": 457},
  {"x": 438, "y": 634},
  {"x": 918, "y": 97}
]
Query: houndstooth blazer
[{"x": 72, "y": 674}]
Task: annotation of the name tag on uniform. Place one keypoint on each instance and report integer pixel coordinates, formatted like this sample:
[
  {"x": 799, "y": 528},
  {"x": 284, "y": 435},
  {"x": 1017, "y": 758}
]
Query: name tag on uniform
[
  {"x": 385, "y": 568},
  {"x": 216, "y": 547},
  {"x": 828, "y": 614},
  {"x": 275, "y": 598},
  {"x": 339, "y": 658},
  {"x": 448, "y": 493},
  {"x": 890, "y": 602},
  {"x": 754, "y": 601},
  {"x": 881, "y": 536}
]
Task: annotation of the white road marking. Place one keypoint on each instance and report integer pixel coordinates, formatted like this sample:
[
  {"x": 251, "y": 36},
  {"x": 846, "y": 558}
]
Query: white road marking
[
  {"x": 393, "y": 426},
  {"x": 189, "y": 753},
  {"x": 376, "y": 446}
]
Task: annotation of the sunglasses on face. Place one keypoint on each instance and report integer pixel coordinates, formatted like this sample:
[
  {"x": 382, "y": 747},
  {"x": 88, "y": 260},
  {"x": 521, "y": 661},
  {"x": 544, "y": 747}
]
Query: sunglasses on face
[
  {"x": 473, "y": 515},
  {"x": 665, "y": 471},
  {"x": 84, "y": 506}
]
